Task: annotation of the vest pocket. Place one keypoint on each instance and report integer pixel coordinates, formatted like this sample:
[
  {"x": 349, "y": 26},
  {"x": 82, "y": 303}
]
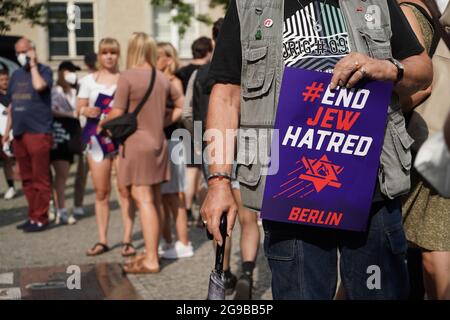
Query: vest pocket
[
  {"x": 396, "y": 159},
  {"x": 378, "y": 42},
  {"x": 256, "y": 68},
  {"x": 402, "y": 141},
  {"x": 248, "y": 168},
  {"x": 258, "y": 71}
]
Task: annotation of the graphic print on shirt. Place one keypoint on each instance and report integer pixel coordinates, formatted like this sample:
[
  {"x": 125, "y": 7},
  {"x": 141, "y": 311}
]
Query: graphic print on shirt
[{"x": 315, "y": 37}]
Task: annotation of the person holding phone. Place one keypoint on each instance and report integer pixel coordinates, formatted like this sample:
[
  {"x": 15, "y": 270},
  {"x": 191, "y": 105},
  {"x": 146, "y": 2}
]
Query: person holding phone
[{"x": 31, "y": 120}]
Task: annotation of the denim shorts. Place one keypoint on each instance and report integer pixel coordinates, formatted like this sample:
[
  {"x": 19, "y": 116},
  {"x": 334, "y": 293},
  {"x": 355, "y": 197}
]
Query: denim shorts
[{"x": 373, "y": 265}]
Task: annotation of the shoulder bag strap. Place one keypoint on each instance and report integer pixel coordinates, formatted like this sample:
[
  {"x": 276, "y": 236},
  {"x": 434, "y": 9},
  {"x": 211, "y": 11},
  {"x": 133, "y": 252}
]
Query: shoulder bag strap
[
  {"x": 431, "y": 5},
  {"x": 147, "y": 94}
]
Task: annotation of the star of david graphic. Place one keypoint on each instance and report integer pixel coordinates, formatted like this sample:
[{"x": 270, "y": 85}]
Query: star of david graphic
[{"x": 321, "y": 173}]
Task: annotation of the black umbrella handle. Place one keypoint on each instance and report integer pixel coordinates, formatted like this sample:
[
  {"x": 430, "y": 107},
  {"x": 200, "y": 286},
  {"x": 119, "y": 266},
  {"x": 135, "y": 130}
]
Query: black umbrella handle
[{"x": 220, "y": 250}]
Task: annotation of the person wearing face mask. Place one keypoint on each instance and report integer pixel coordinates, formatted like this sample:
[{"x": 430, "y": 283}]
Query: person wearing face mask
[
  {"x": 66, "y": 134},
  {"x": 31, "y": 120}
]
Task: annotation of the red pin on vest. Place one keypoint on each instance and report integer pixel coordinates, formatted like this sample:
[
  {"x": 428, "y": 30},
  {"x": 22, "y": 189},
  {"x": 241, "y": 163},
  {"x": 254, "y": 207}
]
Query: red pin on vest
[{"x": 268, "y": 23}]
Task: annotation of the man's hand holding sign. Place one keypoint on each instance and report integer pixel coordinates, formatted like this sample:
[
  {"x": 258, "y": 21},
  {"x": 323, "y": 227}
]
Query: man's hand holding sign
[
  {"x": 350, "y": 71},
  {"x": 330, "y": 150},
  {"x": 407, "y": 74}
]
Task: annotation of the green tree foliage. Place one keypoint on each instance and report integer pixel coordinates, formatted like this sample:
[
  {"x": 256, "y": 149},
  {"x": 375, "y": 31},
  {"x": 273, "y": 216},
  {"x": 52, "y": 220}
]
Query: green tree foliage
[
  {"x": 15, "y": 11},
  {"x": 185, "y": 12}
]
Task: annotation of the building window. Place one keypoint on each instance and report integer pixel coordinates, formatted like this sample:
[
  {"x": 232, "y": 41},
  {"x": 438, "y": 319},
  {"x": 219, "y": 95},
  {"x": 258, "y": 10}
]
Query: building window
[
  {"x": 70, "y": 38},
  {"x": 166, "y": 31}
]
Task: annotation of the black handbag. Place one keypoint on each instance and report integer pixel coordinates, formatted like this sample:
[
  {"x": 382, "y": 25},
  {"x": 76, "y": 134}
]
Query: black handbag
[{"x": 119, "y": 129}]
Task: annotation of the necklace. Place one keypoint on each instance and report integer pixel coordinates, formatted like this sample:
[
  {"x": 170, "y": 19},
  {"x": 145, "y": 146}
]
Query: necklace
[{"x": 317, "y": 26}]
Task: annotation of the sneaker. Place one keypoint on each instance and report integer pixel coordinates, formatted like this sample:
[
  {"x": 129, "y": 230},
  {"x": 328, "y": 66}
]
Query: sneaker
[
  {"x": 78, "y": 211},
  {"x": 230, "y": 284},
  {"x": 62, "y": 217},
  {"x": 35, "y": 227},
  {"x": 23, "y": 225},
  {"x": 71, "y": 220},
  {"x": 51, "y": 216},
  {"x": 51, "y": 211},
  {"x": 164, "y": 246},
  {"x": 244, "y": 288},
  {"x": 179, "y": 250},
  {"x": 10, "y": 193}
]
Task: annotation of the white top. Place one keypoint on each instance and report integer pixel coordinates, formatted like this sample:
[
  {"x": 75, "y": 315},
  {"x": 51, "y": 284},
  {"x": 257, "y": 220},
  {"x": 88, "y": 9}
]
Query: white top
[
  {"x": 90, "y": 89},
  {"x": 65, "y": 102}
]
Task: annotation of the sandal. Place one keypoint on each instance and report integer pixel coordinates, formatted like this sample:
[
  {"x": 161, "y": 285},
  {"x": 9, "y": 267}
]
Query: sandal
[
  {"x": 125, "y": 248},
  {"x": 139, "y": 268},
  {"x": 92, "y": 252},
  {"x": 136, "y": 259}
]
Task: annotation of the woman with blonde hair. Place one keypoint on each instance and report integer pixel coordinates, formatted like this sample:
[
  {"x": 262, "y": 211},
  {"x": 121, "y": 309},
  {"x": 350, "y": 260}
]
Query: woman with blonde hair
[
  {"x": 143, "y": 161},
  {"x": 173, "y": 196},
  {"x": 104, "y": 82}
]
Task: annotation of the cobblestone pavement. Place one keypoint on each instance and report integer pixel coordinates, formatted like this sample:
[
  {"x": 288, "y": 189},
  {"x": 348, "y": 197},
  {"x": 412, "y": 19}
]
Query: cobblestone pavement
[{"x": 66, "y": 245}]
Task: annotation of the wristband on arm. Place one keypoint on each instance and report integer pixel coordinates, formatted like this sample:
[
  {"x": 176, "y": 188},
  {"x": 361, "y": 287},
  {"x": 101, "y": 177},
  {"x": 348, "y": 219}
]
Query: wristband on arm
[{"x": 218, "y": 176}]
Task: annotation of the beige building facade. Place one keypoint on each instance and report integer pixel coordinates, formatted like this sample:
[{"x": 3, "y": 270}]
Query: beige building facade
[{"x": 76, "y": 27}]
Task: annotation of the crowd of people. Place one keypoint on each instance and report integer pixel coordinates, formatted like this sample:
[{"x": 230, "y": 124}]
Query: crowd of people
[{"x": 54, "y": 122}]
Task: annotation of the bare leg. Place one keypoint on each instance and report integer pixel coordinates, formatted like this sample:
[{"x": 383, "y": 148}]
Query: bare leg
[
  {"x": 148, "y": 201},
  {"x": 80, "y": 180},
  {"x": 178, "y": 210},
  {"x": 227, "y": 254},
  {"x": 191, "y": 185},
  {"x": 340, "y": 294},
  {"x": 101, "y": 178},
  {"x": 128, "y": 210},
  {"x": 436, "y": 265},
  {"x": 250, "y": 236},
  {"x": 61, "y": 174},
  {"x": 166, "y": 220},
  {"x": 8, "y": 168}
]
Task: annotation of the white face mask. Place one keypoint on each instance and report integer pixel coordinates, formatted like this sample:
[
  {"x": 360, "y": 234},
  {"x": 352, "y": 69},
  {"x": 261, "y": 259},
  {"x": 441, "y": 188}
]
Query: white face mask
[
  {"x": 71, "y": 78},
  {"x": 22, "y": 58}
]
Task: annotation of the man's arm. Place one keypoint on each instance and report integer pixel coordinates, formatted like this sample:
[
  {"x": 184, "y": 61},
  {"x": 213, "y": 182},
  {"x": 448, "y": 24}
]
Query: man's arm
[
  {"x": 223, "y": 115},
  {"x": 418, "y": 73},
  {"x": 39, "y": 83},
  {"x": 8, "y": 127}
]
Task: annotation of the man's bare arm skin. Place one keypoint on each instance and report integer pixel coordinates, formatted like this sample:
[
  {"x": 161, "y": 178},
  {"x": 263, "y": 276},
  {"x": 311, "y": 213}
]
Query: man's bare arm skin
[{"x": 223, "y": 114}]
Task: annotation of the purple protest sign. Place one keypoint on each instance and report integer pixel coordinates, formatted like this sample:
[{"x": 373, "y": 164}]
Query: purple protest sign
[
  {"x": 104, "y": 103},
  {"x": 329, "y": 151},
  {"x": 99, "y": 146}
]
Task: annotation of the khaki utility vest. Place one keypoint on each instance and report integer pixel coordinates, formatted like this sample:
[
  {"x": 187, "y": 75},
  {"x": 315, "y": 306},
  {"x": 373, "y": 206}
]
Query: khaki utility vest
[{"x": 262, "y": 73}]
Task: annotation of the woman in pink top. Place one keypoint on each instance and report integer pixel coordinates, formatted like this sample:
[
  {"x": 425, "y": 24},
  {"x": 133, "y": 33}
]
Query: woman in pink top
[{"x": 144, "y": 159}]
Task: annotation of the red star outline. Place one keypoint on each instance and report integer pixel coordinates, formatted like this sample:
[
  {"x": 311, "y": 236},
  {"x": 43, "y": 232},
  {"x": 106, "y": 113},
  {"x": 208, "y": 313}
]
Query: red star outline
[{"x": 322, "y": 173}]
